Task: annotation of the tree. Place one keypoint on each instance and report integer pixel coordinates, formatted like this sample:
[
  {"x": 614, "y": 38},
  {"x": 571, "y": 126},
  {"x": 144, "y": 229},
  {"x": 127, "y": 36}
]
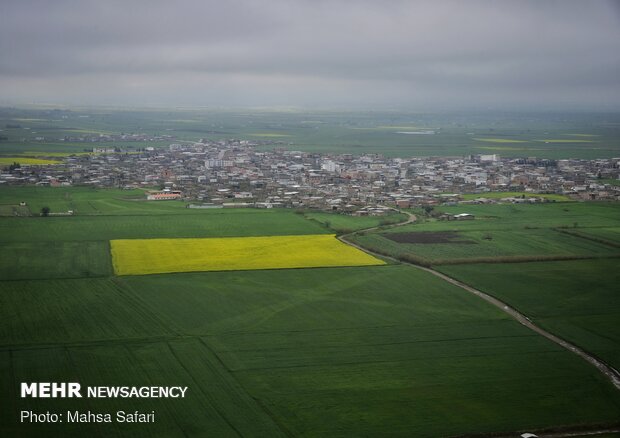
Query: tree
[{"x": 45, "y": 211}]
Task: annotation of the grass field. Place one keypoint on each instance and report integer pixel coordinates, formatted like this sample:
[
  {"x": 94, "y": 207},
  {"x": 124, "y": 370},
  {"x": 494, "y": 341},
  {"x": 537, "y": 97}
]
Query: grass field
[
  {"x": 207, "y": 410},
  {"x": 325, "y": 352},
  {"x": 504, "y": 233},
  {"x": 500, "y": 195},
  {"x": 458, "y": 134},
  {"x": 54, "y": 311},
  {"x": 55, "y": 259},
  {"x": 516, "y": 216},
  {"x": 343, "y": 224},
  {"x": 87, "y": 200},
  {"x": 499, "y": 140},
  {"x": 268, "y": 134},
  {"x": 613, "y": 182},
  {"x": 206, "y": 223},
  {"x": 578, "y": 300},
  {"x": 566, "y": 140},
  {"x": 340, "y": 351},
  {"x": 155, "y": 256},
  {"x": 483, "y": 245},
  {"x": 604, "y": 435},
  {"x": 14, "y": 210},
  {"x": 610, "y": 236}
]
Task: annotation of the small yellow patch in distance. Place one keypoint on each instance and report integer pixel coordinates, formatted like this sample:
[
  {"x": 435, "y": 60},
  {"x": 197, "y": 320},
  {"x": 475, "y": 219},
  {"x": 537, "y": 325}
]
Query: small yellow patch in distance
[
  {"x": 583, "y": 135},
  {"x": 400, "y": 127},
  {"x": 499, "y": 140},
  {"x": 158, "y": 256},
  {"x": 268, "y": 134},
  {"x": 37, "y": 154},
  {"x": 564, "y": 140},
  {"x": 507, "y": 148},
  {"x": 25, "y": 160}
]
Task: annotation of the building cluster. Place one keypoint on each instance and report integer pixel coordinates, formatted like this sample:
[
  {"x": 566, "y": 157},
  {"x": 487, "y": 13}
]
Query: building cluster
[
  {"x": 241, "y": 173},
  {"x": 98, "y": 138}
]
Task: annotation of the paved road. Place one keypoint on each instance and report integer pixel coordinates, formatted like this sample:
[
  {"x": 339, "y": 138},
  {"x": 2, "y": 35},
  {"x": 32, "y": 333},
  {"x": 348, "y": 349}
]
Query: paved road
[{"x": 608, "y": 371}]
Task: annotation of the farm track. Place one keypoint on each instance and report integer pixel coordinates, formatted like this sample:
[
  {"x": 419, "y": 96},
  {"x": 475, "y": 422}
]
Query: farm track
[
  {"x": 547, "y": 433},
  {"x": 611, "y": 373},
  {"x": 608, "y": 371}
]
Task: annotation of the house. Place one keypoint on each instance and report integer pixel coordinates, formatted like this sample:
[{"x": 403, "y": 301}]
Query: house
[
  {"x": 403, "y": 203},
  {"x": 464, "y": 217},
  {"x": 164, "y": 196}
]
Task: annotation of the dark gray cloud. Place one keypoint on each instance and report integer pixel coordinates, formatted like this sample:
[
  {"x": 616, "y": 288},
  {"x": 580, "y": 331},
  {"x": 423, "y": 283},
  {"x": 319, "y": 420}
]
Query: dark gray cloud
[{"x": 312, "y": 52}]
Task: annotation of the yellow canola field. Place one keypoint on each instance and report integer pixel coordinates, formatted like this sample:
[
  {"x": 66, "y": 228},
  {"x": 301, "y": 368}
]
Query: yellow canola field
[
  {"x": 269, "y": 134},
  {"x": 156, "y": 256},
  {"x": 24, "y": 160},
  {"x": 500, "y": 140}
]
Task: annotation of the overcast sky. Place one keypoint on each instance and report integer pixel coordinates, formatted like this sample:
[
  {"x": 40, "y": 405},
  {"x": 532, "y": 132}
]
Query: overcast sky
[{"x": 312, "y": 53}]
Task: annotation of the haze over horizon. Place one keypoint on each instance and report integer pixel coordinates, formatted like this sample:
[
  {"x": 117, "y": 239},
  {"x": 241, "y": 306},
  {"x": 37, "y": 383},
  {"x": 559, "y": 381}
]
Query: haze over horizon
[{"x": 360, "y": 55}]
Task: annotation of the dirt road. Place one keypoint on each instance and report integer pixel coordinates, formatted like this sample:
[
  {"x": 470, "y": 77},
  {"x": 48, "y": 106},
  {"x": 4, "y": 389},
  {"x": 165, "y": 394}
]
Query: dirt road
[{"x": 607, "y": 370}]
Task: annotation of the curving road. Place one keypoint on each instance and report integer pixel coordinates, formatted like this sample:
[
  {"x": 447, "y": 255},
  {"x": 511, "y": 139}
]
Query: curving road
[
  {"x": 607, "y": 370},
  {"x": 610, "y": 372}
]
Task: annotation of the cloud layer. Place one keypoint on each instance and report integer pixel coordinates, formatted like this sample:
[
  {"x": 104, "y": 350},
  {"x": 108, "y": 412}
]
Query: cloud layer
[{"x": 357, "y": 53}]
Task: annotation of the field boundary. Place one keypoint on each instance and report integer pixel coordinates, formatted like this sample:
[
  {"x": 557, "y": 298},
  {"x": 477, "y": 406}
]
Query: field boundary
[
  {"x": 612, "y": 374},
  {"x": 518, "y": 259},
  {"x": 585, "y": 236}
]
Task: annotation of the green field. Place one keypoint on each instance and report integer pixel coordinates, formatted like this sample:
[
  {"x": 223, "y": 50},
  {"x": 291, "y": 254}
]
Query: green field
[
  {"x": 518, "y": 216},
  {"x": 207, "y": 410},
  {"x": 485, "y": 246},
  {"x": 500, "y": 195},
  {"x": 360, "y": 351},
  {"x": 353, "y": 351},
  {"x": 571, "y": 135},
  {"x": 613, "y": 182},
  {"x": 499, "y": 140},
  {"x": 78, "y": 246},
  {"x": 343, "y": 224},
  {"x": 505, "y": 233},
  {"x": 610, "y": 236},
  {"x": 603, "y": 435},
  {"x": 86, "y": 201},
  {"x": 206, "y": 223},
  {"x": 578, "y": 300},
  {"x": 55, "y": 259}
]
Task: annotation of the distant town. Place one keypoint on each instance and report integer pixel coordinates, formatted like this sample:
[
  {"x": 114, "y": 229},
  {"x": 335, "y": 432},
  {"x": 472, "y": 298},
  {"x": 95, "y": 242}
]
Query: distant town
[{"x": 240, "y": 173}]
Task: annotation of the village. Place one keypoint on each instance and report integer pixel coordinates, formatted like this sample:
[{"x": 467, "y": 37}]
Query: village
[{"x": 241, "y": 173}]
